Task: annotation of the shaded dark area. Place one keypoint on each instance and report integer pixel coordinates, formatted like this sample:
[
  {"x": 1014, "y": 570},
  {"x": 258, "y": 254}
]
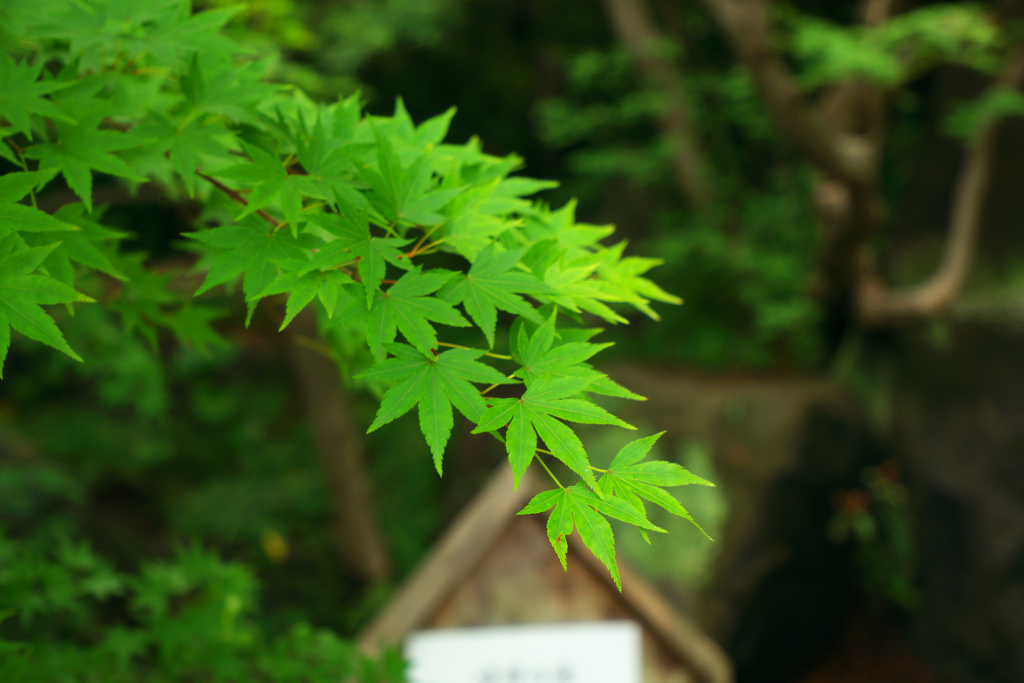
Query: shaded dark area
[{"x": 964, "y": 452}]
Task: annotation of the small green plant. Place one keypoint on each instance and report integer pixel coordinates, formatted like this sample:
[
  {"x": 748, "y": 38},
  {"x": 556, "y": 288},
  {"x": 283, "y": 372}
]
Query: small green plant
[{"x": 876, "y": 518}]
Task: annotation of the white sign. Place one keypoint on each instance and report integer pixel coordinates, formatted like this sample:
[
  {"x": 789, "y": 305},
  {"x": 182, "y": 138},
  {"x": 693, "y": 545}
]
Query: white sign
[{"x": 575, "y": 652}]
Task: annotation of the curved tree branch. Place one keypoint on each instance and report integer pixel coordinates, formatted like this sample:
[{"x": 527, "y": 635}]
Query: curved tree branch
[
  {"x": 747, "y": 25},
  {"x": 844, "y": 140},
  {"x": 849, "y": 212},
  {"x": 633, "y": 25},
  {"x": 876, "y": 303}
]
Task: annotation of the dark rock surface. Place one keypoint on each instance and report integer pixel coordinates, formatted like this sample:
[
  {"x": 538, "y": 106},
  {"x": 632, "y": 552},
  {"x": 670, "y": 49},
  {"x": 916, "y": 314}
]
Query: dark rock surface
[
  {"x": 960, "y": 418},
  {"x": 783, "y": 447}
]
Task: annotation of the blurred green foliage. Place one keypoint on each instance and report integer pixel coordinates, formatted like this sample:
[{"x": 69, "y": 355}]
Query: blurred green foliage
[
  {"x": 898, "y": 50},
  {"x": 746, "y": 269},
  {"x": 190, "y": 619},
  {"x": 227, "y": 459},
  {"x": 321, "y": 45}
]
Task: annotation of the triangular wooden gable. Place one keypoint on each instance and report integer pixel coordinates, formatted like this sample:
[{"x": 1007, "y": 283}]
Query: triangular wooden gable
[{"x": 476, "y": 536}]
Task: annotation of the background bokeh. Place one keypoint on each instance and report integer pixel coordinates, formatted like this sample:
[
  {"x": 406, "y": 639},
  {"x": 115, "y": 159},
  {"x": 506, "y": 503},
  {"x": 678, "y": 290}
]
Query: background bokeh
[{"x": 868, "y": 519}]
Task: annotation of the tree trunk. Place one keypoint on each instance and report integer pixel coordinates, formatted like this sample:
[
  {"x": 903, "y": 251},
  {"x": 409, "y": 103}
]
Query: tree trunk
[{"x": 340, "y": 447}]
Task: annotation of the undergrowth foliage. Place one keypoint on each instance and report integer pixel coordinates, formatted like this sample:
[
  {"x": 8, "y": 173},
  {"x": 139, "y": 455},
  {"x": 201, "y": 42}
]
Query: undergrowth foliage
[
  {"x": 393, "y": 235},
  {"x": 191, "y": 616}
]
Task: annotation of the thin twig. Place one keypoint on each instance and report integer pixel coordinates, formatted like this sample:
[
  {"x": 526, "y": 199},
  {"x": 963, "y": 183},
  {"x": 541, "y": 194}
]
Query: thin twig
[
  {"x": 467, "y": 348},
  {"x": 24, "y": 166},
  {"x": 301, "y": 339},
  {"x": 314, "y": 345},
  {"x": 234, "y": 194},
  {"x": 548, "y": 470},
  {"x": 418, "y": 248},
  {"x": 13, "y": 145},
  {"x": 495, "y": 386}
]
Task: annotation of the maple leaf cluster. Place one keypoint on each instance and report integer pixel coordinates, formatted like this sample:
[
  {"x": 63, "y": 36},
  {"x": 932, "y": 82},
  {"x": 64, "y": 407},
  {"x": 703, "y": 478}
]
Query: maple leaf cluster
[{"x": 396, "y": 237}]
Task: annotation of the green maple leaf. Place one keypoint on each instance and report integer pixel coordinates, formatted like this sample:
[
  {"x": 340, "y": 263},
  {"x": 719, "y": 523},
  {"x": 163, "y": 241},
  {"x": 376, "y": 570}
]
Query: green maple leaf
[
  {"x": 217, "y": 84},
  {"x": 168, "y": 41},
  {"x": 83, "y": 147},
  {"x": 21, "y": 218},
  {"x": 327, "y": 166},
  {"x": 434, "y": 384},
  {"x": 15, "y": 186},
  {"x": 39, "y": 228},
  {"x": 476, "y": 219},
  {"x": 145, "y": 296},
  {"x": 535, "y": 415},
  {"x": 160, "y": 30},
  {"x": 407, "y": 306},
  {"x": 325, "y": 285},
  {"x": 184, "y": 144},
  {"x": 22, "y": 294},
  {"x": 271, "y": 181},
  {"x": 631, "y": 480},
  {"x": 253, "y": 248},
  {"x": 491, "y": 284},
  {"x": 578, "y": 507},
  {"x": 351, "y": 240},
  {"x": 434, "y": 130},
  {"x": 16, "y": 217},
  {"x": 21, "y": 94},
  {"x": 80, "y": 243},
  {"x": 623, "y": 274},
  {"x": 191, "y": 324},
  {"x": 404, "y": 195},
  {"x": 575, "y": 288},
  {"x": 541, "y": 358}
]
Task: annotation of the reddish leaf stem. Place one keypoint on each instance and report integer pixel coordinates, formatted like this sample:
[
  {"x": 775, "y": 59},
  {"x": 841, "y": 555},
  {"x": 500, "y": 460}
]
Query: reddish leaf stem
[{"x": 234, "y": 194}]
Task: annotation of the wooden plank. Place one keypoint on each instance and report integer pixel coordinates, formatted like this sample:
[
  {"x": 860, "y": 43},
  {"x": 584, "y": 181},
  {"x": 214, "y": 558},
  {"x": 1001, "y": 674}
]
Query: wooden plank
[
  {"x": 451, "y": 559},
  {"x": 703, "y": 655}
]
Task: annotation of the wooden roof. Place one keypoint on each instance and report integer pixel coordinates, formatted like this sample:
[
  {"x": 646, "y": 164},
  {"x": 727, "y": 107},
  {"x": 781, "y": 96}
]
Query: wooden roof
[{"x": 472, "y": 536}]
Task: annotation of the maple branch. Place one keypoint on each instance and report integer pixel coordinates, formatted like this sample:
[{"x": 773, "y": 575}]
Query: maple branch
[
  {"x": 747, "y": 25},
  {"x": 876, "y": 303},
  {"x": 632, "y": 23},
  {"x": 234, "y": 194}
]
